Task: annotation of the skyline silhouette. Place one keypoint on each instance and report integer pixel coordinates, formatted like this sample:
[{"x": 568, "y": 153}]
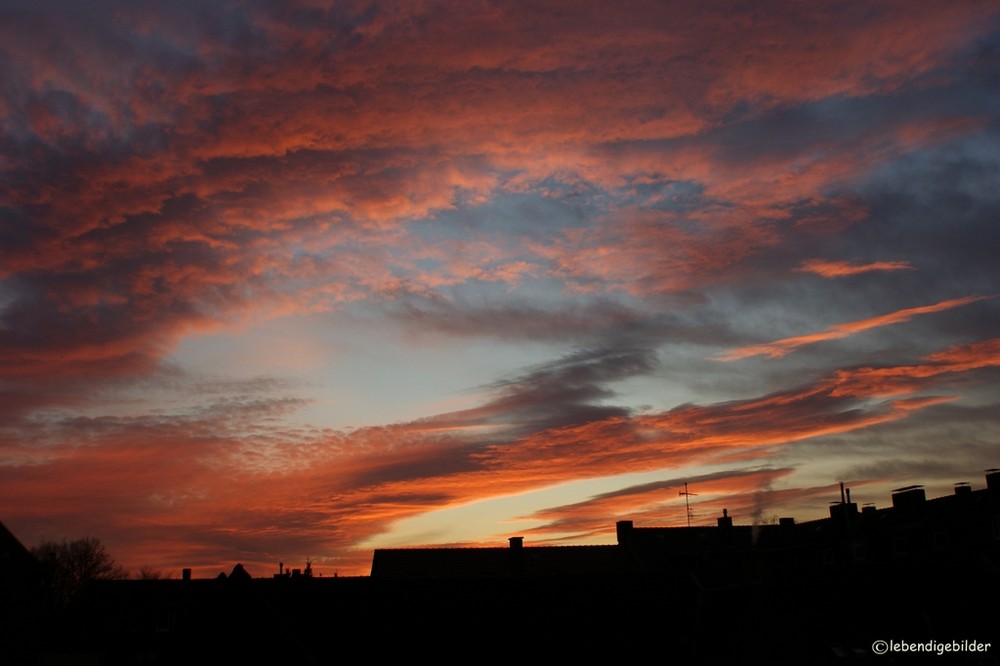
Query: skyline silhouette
[{"x": 909, "y": 581}]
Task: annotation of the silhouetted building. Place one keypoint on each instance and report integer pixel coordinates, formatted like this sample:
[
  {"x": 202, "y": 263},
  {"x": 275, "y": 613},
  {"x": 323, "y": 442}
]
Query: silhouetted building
[
  {"x": 20, "y": 598},
  {"x": 815, "y": 592},
  {"x": 819, "y": 591},
  {"x": 949, "y": 527},
  {"x": 514, "y": 561}
]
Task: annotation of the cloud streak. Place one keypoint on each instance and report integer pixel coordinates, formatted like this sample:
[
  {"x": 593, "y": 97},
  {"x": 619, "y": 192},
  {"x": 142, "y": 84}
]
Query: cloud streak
[
  {"x": 780, "y": 348},
  {"x": 835, "y": 269}
]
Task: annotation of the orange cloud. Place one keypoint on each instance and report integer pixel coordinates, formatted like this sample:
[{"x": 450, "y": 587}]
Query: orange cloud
[
  {"x": 896, "y": 380},
  {"x": 834, "y": 269},
  {"x": 785, "y": 346},
  {"x": 191, "y": 176}
]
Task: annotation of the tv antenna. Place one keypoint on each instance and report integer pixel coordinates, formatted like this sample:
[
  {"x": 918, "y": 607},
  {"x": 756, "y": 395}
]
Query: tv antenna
[{"x": 687, "y": 501}]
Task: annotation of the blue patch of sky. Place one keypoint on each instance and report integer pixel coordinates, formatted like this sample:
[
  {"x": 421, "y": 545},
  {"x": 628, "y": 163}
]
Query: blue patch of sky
[
  {"x": 830, "y": 122},
  {"x": 654, "y": 192},
  {"x": 523, "y": 215}
]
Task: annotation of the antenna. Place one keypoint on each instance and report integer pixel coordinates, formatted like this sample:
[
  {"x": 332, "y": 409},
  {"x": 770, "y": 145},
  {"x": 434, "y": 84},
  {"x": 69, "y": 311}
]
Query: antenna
[{"x": 687, "y": 501}]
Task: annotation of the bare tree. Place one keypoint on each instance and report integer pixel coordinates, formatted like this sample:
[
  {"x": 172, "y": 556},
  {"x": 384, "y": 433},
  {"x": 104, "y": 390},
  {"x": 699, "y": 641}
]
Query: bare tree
[
  {"x": 70, "y": 565},
  {"x": 149, "y": 573}
]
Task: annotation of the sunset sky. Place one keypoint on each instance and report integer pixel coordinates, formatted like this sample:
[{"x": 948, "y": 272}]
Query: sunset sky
[{"x": 301, "y": 279}]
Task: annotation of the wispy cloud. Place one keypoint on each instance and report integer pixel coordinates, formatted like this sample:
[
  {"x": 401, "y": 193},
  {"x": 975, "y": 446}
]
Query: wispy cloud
[
  {"x": 835, "y": 269},
  {"x": 785, "y": 346}
]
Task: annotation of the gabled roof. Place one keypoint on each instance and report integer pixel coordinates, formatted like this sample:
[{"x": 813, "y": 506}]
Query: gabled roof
[
  {"x": 12, "y": 551},
  {"x": 16, "y": 562}
]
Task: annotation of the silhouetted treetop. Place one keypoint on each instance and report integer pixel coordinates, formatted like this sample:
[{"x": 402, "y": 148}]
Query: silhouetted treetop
[{"x": 69, "y": 565}]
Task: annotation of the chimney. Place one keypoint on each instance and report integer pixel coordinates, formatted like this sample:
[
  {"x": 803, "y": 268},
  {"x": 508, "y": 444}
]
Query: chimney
[
  {"x": 623, "y": 529},
  {"x": 993, "y": 480},
  {"x": 786, "y": 531},
  {"x": 725, "y": 520},
  {"x": 963, "y": 488},
  {"x": 185, "y": 574},
  {"x": 516, "y": 543},
  {"x": 842, "y": 511},
  {"x": 908, "y": 498}
]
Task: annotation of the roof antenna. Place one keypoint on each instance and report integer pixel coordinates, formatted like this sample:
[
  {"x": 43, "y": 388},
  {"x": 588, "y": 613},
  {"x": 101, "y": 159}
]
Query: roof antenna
[{"x": 687, "y": 501}]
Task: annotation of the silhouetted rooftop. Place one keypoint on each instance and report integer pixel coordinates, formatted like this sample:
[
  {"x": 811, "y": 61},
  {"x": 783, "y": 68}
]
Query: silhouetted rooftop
[{"x": 530, "y": 561}]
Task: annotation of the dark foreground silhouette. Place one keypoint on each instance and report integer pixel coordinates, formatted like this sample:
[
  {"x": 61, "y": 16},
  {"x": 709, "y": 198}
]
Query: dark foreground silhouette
[{"x": 921, "y": 575}]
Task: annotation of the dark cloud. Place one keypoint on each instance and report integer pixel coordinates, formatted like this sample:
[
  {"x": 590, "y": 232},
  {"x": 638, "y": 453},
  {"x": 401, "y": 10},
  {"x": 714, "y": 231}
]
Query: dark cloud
[
  {"x": 672, "y": 484},
  {"x": 936, "y": 207},
  {"x": 508, "y": 320},
  {"x": 569, "y": 390}
]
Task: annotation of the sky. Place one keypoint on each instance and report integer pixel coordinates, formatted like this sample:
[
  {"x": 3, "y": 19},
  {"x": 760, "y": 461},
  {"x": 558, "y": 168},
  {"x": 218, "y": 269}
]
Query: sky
[{"x": 291, "y": 281}]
